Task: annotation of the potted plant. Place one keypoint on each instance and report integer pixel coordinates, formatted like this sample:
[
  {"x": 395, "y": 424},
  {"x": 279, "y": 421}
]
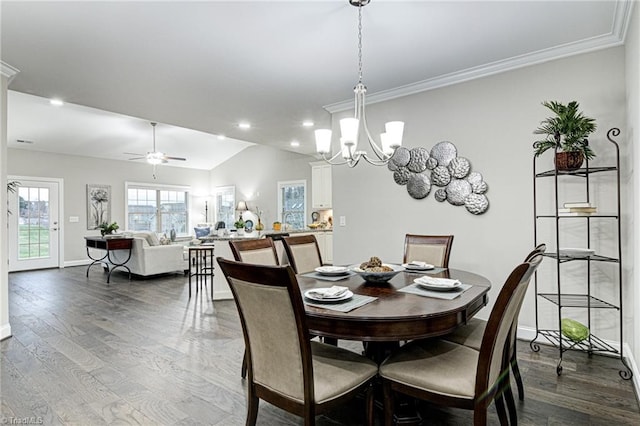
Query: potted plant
[
  {"x": 108, "y": 229},
  {"x": 239, "y": 225},
  {"x": 567, "y": 133}
]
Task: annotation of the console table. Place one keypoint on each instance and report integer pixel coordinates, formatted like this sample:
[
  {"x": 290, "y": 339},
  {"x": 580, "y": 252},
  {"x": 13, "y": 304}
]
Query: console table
[{"x": 109, "y": 245}]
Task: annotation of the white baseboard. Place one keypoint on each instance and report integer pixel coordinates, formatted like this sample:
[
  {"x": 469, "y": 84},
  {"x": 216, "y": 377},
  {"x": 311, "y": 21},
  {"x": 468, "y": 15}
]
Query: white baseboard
[
  {"x": 83, "y": 262},
  {"x": 5, "y": 331},
  {"x": 527, "y": 334},
  {"x": 222, "y": 295}
]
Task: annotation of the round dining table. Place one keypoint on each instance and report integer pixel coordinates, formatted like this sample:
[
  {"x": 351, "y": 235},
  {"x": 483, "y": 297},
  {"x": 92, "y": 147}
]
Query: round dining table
[{"x": 395, "y": 315}]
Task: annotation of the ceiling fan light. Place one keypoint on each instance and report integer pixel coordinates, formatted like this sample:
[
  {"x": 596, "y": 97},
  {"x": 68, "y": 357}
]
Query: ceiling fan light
[{"x": 156, "y": 158}]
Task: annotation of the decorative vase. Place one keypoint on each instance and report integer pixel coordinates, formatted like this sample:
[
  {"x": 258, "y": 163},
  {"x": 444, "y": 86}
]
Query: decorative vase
[
  {"x": 259, "y": 226},
  {"x": 568, "y": 161},
  {"x": 172, "y": 234}
]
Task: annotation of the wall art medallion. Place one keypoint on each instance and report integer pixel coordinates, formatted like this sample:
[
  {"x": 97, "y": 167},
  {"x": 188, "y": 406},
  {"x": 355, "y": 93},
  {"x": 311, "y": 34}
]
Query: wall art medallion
[{"x": 420, "y": 169}]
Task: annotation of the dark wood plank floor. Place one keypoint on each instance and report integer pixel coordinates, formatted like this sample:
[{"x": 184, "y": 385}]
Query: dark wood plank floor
[{"x": 87, "y": 353}]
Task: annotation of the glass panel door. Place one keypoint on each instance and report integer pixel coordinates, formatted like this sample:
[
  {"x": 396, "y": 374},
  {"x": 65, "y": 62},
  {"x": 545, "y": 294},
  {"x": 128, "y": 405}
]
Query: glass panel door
[{"x": 33, "y": 226}]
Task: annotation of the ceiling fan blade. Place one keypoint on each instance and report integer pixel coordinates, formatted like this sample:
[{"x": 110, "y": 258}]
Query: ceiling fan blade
[
  {"x": 138, "y": 158},
  {"x": 175, "y": 158},
  {"x": 134, "y": 153}
]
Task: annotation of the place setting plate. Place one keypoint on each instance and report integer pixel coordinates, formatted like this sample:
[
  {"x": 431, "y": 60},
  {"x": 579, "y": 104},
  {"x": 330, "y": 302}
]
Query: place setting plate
[
  {"x": 324, "y": 295},
  {"x": 438, "y": 284},
  {"x": 332, "y": 271},
  {"x": 418, "y": 266}
]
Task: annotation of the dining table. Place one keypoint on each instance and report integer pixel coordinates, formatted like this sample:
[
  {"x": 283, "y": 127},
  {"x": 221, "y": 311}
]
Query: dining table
[{"x": 393, "y": 314}]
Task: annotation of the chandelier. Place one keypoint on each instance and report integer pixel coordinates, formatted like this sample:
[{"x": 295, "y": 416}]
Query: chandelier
[{"x": 349, "y": 153}]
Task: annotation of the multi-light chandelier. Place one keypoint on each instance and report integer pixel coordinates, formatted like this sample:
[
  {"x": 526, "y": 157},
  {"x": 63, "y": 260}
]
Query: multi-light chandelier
[{"x": 350, "y": 127}]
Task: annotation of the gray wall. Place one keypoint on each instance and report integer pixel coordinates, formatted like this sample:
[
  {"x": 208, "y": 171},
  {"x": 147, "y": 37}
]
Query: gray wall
[
  {"x": 77, "y": 172},
  {"x": 255, "y": 173},
  {"x": 490, "y": 120},
  {"x": 632, "y": 51}
]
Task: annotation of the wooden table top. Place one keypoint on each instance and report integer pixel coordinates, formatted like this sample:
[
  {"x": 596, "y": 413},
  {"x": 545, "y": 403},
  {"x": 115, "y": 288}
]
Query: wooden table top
[{"x": 396, "y": 315}]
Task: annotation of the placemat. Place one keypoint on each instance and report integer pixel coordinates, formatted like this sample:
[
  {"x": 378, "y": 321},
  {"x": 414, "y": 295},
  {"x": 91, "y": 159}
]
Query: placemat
[
  {"x": 428, "y": 271},
  {"x": 348, "y": 305},
  {"x": 319, "y": 276},
  {"x": 448, "y": 295}
]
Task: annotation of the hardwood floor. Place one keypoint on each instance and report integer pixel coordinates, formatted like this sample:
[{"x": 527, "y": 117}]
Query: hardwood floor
[{"x": 87, "y": 353}]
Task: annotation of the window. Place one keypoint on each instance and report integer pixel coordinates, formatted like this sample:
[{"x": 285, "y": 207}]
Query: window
[
  {"x": 225, "y": 205},
  {"x": 292, "y": 203},
  {"x": 157, "y": 208}
]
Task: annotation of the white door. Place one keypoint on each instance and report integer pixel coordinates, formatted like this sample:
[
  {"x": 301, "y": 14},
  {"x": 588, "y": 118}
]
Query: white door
[{"x": 34, "y": 225}]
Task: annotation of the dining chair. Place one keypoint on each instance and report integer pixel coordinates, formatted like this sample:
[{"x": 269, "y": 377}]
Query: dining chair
[
  {"x": 446, "y": 373},
  {"x": 433, "y": 249},
  {"x": 302, "y": 253},
  {"x": 259, "y": 252},
  {"x": 286, "y": 369},
  {"x": 471, "y": 333}
]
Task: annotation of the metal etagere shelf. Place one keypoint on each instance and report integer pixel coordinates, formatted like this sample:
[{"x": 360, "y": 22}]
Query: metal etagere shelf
[{"x": 593, "y": 344}]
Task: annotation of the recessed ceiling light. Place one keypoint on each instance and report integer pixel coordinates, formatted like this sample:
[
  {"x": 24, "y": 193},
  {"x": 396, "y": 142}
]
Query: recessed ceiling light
[
  {"x": 56, "y": 102},
  {"x": 307, "y": 123},
  {"x": 222, "y": 137},
  {"x": 295, "y": 143},
  {"x": 244, "y": 125}
]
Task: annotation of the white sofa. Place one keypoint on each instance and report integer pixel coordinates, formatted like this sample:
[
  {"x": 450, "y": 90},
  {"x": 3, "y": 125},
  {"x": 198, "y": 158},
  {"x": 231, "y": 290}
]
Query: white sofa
[{"x": 149, "y": 257}]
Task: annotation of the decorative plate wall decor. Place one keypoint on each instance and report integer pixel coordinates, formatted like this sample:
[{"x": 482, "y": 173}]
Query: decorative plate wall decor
[{"x": 420, "y": 169}]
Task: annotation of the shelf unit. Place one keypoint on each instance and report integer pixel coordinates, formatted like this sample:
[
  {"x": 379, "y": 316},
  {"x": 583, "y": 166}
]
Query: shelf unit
[{"x": 584, "y": 300}]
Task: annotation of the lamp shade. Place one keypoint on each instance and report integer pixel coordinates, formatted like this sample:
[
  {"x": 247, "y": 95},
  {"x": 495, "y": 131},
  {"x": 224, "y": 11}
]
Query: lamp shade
[
  {"x": 323, "y": 141},
  {"x": 349, "y": 131},
  {"x": 242, "y": 206},
  {"x": 394, "y": 130}
]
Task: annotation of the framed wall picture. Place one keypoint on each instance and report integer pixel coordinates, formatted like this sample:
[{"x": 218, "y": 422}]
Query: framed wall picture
[{"x": 98, "y": 205}]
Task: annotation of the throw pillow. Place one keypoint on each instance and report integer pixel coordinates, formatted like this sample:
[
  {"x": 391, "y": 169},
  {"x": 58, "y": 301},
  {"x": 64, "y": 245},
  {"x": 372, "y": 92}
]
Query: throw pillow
[
  {"x": 202, "y": 232},
  {"x": 151, "y": 237}
]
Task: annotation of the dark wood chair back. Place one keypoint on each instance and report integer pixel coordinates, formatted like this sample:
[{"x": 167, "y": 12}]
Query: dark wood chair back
[
  {"x": 433, "y": 249},
  {"x": 302, "y": 253},
  {"x": 259, "y": 252}
]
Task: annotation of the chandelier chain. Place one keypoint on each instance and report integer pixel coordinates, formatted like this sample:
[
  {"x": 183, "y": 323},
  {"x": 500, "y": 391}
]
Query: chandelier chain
[{"x": 360, "y": 44}]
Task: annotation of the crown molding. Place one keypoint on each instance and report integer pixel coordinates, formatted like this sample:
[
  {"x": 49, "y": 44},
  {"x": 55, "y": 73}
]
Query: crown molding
[
  {"x": 8, "y": 71},
  {"x": 619, "y": 26}
]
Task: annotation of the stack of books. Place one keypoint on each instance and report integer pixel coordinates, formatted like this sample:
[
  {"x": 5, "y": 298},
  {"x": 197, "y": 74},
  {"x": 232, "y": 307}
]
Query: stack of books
[{"x": 577, "y": 209}]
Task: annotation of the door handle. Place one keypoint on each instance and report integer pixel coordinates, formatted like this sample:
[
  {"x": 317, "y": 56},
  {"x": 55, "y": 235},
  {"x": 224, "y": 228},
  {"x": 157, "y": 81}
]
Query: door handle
[{"x": 54, "y": 229}]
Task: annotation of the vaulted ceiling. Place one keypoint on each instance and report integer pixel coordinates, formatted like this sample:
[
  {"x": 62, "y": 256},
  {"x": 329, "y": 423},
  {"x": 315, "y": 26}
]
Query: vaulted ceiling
[{"x": 200, "y": 68}]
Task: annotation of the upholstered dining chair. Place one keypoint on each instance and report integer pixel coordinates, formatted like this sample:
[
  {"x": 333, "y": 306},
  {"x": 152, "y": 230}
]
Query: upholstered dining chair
[
  {"x": 302, "y": 252},
  {"x": 446, "y": 373},
  {"x": 471, "y": 334},
  {"x": 259, "y": 252},
  {"x": 286, "y": 369},
  {"x": 433, "y": 249}
]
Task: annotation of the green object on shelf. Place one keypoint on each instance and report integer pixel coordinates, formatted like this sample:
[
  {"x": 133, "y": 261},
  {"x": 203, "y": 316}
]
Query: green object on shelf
[{"x": 574, "y": 330}]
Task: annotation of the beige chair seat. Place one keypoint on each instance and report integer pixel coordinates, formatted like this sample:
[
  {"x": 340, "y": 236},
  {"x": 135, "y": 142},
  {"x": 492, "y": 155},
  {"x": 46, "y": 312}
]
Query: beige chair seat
[
  {"x": 336, "y": 371},
  {"x": 440, "y": 366},
  {"x": 470, "y": 335}
]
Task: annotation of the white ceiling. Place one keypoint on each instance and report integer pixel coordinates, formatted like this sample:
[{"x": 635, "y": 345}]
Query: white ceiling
[{"x": 199, "y": 68}]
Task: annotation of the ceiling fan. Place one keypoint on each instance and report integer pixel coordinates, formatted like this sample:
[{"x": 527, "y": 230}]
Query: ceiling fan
[{"x": 154, "y": 157}]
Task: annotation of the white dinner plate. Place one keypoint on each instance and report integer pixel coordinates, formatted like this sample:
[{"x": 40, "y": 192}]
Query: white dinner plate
[
  {"x": 414, "y": 267},
  {"x": 345, "y": 296},
  {"x": 437, "y": 284},
  {"x": 440, "y": 287},
  {"x": 332, "y": 270}
]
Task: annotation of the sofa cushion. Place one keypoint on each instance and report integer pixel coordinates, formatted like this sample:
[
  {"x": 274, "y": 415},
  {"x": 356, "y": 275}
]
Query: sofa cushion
[
  {"x": 151, "y": 237},
  {"x": 202, "y": 232}
]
